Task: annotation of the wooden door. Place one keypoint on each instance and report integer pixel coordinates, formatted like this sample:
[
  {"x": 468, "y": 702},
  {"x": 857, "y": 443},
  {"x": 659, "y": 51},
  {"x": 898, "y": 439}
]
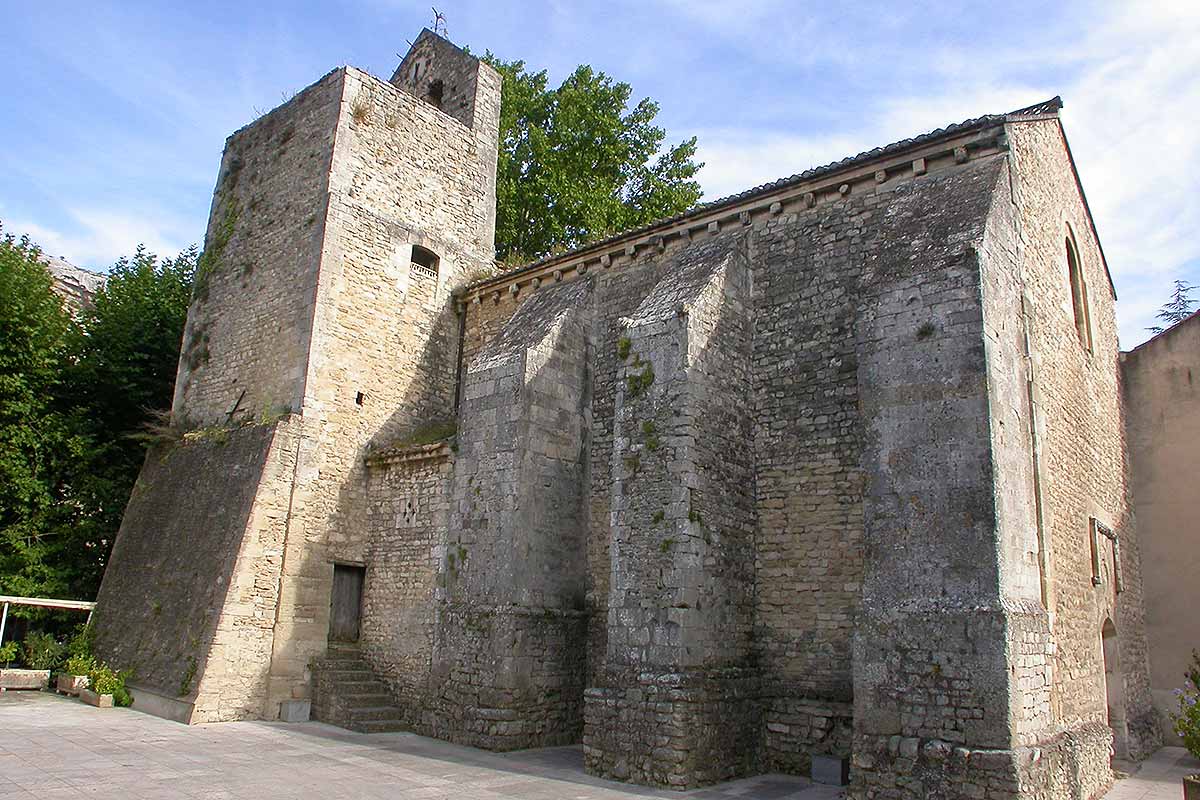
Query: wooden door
[{"x": 345, "y": 604}]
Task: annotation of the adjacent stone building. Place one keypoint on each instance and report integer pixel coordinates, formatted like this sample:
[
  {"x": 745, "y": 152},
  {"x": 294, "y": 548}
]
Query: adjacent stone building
[
  {"x": 1162, "y": 407},
  {"x": 832, "y": 470},
  {"x": 75, "y": 286}
]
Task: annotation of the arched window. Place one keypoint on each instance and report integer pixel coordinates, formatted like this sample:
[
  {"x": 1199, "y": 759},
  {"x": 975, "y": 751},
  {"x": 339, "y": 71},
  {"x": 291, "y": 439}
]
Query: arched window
[
  {"x": 424, "y": 262},
  {"x": 1079, "y": 299}
]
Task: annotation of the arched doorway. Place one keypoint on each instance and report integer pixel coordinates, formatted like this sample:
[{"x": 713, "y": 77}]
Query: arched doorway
[{"x": 1114, "y": 688}]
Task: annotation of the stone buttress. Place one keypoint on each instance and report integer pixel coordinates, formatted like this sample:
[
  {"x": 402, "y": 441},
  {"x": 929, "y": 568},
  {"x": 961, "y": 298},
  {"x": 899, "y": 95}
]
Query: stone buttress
[
  {"x": 508, "y": 659},
  {"x": 677, "y": 669}
]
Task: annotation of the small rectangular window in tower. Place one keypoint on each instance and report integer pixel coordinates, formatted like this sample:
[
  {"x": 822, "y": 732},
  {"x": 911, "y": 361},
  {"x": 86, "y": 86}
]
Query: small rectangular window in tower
[
  {"x": 424, "y": 262},
  {"x": 359, "y": 399},
  {"x": 1105, "y": 543}
]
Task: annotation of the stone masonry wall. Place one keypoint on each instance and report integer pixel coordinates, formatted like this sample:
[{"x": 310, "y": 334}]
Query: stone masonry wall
[
  {"x": 809, "y": 270},
  {"x": 1081, "y": 436},
  {"x": 1162, "y": 404},
  {"x": 680, "y": 597},
  {"x": 908, "y": 257},
  {"x": 189, "y": 599},
  {"x": 408, "y": 516},
  {"x": 440, "y": 74},
  {"x": 509, "y": 658},
  {"x": 1016, "y": 473},
  {"x": 929, "y": 660},
  {"x": 307, "y": 302},
  {"x": 385, "y": 337},
  {"x": 617, "y": 292},
  {"x": 250, "y": 322}
]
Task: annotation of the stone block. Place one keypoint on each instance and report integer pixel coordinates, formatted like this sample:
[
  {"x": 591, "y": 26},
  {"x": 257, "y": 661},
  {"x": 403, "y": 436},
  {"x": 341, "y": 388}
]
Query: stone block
[
  {"x": 830, "y": 770},
  {"x": 295, "y": 710}
]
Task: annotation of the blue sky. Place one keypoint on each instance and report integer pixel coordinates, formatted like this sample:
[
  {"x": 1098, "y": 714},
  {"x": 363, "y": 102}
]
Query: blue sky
[{"x": 115, "y": 114}]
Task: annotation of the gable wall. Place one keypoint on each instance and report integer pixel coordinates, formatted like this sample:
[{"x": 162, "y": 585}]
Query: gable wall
[{"x": 1082, "y": 440}]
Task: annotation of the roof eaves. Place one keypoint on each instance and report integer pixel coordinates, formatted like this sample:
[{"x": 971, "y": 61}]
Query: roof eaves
[{"x": 1047, "y": 109}]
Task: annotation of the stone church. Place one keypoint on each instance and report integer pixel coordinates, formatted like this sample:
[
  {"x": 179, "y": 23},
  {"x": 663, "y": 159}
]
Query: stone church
[{"x": 827, "y": 476}]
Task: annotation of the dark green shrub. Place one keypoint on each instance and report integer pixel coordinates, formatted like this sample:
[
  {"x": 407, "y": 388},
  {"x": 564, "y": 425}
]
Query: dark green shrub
[
  {"x": 42, "y": 651},
  {"x": 80, "y": 644}
]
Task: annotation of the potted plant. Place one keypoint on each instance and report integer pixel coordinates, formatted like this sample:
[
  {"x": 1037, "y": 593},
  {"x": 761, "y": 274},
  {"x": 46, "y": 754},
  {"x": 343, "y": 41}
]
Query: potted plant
[
  {"x": 1187, "y": 724},
  {"x": 106, "y": 687},
  {"x": 74, "y": 676}
]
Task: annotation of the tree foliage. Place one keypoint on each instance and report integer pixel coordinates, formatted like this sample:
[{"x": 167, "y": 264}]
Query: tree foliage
[
  {"x": 72, "y": 394},
  {"x": 1177, "y": 309},
  {"x": 577, "y": 163},
  {"x": 125, "y": 350},
  {"x": 40, "y": 448}
]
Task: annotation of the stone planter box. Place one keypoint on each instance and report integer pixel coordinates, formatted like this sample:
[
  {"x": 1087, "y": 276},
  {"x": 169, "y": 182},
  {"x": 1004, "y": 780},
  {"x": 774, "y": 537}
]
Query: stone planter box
[
  {"x": 1191, "y": 787},
  {"x": 97, "y": 700},
  {"x": 24, "y": 679},
  {"x": 71, "y": 684}
]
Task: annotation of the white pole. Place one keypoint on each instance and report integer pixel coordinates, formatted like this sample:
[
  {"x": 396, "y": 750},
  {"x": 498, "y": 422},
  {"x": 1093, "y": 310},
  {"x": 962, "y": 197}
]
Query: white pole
[{"x": 3, "y": 620}]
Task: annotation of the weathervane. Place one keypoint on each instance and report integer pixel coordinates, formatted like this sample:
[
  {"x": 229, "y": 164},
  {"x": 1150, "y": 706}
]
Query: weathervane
[{"x": 439, "y": 24}]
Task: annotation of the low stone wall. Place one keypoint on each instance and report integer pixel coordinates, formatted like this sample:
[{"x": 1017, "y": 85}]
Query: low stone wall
[
  {"x": 796, "y": 728},
  {"x": 516, "y": 680},
  {"x": 678, "y": 730},
  {"x": 1073, "y": 765}
]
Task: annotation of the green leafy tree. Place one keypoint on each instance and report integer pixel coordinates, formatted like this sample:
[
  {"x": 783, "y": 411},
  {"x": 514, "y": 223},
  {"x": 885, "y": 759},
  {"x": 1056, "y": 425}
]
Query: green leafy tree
[
  {"x": 577, "y": 163},
  {"x": 1178, "y": 308},
  {"x": 123, "y": 357},
  {"x": 72, "y": 395},
  {"x": 40, "y": 449},
  {"x": 125, "y": 350}
]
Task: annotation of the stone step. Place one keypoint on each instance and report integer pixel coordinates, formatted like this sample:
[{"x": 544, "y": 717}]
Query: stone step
[
  {"x": 379, "y": 726},
  {"x": 343, "y": 674},
  {"x": 364, "y": 686},
  {"x": 352, "y": 701},
  {"x": 337, "y": 664},
  {"x": 374, "y": 713}
]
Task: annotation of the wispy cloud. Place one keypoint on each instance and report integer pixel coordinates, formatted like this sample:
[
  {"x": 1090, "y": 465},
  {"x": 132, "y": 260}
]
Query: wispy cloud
[
  {"x": 129, "y": 122},
  {"x": 1132, "y": 114},
  {"x": 96, "y": 238}
]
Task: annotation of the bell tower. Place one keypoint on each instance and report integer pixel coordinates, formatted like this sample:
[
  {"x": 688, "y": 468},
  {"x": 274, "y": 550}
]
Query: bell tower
[{"x": 322, "y": 325}]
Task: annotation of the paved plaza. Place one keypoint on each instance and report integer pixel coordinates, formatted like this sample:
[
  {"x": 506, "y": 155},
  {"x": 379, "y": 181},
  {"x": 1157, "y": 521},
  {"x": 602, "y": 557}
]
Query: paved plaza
[{"x": 53, "y": 747}]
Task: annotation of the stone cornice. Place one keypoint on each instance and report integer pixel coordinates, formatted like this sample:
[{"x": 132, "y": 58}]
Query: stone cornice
[
  {"x": 410, "y": 454},
  {"x": 879, "y": 173}
]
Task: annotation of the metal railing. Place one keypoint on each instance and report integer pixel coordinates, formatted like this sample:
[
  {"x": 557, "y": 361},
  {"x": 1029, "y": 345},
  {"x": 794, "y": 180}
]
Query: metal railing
[{"x": 42, "y": 602}]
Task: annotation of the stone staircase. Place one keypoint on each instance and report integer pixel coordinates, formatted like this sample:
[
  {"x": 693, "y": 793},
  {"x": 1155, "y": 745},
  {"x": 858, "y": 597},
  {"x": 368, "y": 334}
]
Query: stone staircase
[{"x": 347, "y": 693}]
